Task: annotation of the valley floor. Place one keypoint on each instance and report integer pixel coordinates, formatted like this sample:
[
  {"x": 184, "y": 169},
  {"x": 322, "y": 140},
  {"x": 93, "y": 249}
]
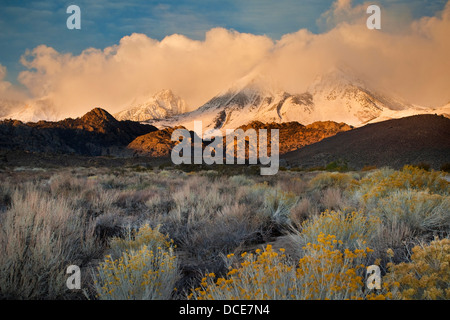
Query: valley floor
[{"x": 151, "y": 231}]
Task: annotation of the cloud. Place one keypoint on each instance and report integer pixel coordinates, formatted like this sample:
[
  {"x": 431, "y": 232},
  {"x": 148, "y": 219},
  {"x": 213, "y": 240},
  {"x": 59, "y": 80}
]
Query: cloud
[
  {"x": 341, "y": 11},
  {"x": 11, "y": 97},
  {"x": 110, "y": 78},
  {"x": 410, "y": 61},
  {"x": 7, "y": 90},
  {"x": 396, "y": 16}
]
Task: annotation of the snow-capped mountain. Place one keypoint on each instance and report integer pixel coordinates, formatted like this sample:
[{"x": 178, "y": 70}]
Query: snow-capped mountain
[
  {"x": 161, "y": 105},
  {"x": 335, "y": 96},
  {"x": 396, "y": 114},
  {"x": 33, "y": 111},
  {"x": 7, "y": 106},
  {"x": 338, "y": 96}
]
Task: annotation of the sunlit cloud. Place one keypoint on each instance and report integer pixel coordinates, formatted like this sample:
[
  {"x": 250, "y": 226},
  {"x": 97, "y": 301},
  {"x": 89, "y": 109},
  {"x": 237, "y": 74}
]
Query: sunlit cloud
[{"x": 411, "y": 62}]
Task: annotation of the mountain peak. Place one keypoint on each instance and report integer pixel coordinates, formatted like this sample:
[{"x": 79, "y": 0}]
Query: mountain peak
[
  {"x": 254, "y": 83},
  {"x": 338, "y": 95},
  {"x": 159, "y": 105},
  {"x": 98, "y": 115},
  {"x": 337, "y": 78},
  {"x": 164, "y": 94}
]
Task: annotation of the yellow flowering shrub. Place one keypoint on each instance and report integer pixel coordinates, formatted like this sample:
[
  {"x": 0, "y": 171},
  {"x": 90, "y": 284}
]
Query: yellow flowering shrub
[
  {"x": 380, "y": 183},
  {"x": 353, "y": 229},
  {"x": 147, "y": 269},
  {"x": 427, "y": 276},
  {"x": 326, "y": 272},
  {"x": 152, "y": 238},
  {"x": 263, "y": 275},
  {"x": 323, "y": 273}
]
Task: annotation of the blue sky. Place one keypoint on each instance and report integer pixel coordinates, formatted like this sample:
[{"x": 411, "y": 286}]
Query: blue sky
[{"x": 27, "y": 24}]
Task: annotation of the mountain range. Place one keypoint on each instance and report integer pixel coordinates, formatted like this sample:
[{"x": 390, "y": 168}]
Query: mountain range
[
  {"x": 335, "y": 96},
  {"x": 337, "y": 117},
  {"x": 338, "y": 95},
  {"x": 395, "y": 142},
  {"x": 160, "y": 105},
  {"x": 94, "y": 134}
]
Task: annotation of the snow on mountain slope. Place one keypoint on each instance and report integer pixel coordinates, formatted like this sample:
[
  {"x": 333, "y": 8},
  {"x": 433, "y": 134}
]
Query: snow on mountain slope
[
  {"x": 34, "y": 111},
  {"x": 335, "y": 96},
  {"x": 161, "y": 105},
  {"x": 7, "y": 106},
  {"x": 396, "y": 114}
]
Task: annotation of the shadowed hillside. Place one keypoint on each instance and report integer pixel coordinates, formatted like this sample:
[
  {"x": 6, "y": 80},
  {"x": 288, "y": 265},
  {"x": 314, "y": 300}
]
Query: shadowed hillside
[
  {"x": 96, "y": 133},
  {"x": 420, "y": 138}
]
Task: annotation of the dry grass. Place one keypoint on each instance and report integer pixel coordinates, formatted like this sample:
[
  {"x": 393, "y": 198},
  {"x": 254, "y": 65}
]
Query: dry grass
[
  {"x": 53, "y": 218},
  {"x": 40, "y": 237}
]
